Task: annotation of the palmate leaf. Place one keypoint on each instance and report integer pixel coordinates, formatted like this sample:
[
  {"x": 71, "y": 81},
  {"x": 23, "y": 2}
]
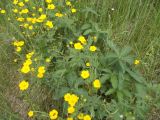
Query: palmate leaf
[{"x": 125, "y": 51}]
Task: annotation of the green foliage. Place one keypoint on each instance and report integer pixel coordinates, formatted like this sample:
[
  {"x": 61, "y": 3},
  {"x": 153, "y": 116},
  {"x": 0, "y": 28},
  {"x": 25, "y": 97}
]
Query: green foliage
[{"x": 124, "y": 93}]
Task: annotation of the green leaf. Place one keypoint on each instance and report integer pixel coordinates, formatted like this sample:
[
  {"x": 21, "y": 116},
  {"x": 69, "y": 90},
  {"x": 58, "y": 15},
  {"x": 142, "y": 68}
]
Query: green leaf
[
  {"x": 81, "y": 91},
  {"x": 141, "y": 90},
  {"x": 60, "y": 93},
  {"x": 105, "y": 78},
  {"x": 85, "y": 26},
  {"x": 114, "y": 81},
  {"x": 125, "y": 51},
  {"x": 120, "y": 96},
  {"x": 109, "y": 92},
  {"x": 136, "y": 76},
  {"x": 87, "y": 32},
  {"x": 113, "y": 46},
  {"x": 126, "y": 92}
]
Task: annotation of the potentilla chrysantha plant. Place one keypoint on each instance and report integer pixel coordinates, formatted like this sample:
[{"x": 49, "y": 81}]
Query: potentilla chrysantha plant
[{"x": 88, "y": 76}]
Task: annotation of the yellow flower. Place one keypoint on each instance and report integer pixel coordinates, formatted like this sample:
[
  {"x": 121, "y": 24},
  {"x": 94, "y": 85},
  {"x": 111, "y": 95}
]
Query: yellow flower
[
  {"x": 67, "y": 97},
  {"x": 69, "y": 118},
  {"x": 85, "y": 74},
  {"x": 15, "y": 2},
  {"x": 27, "y": 62},
  {"x": 18, "y": 49},
  {"x": 41, "y": 18},
  {"x": 40, "y": 9},
  {"x": 23, "y": 85},
  {"x": 15, "y": 10},
  {"x": 48, "y": 1},
  {"x": 25, "y": 69},
  {"x": 49, "y": 24},
  {"x": 136, "y": 62},
  {"x": 29, "y": 55},
  {"x": 68, "y": 3},
  {"x": 51, "y": 6},
  {"x": 80, "y": 116},
  {"x": 78, "y": 46},
  {"x": 21, "y": 43},
  {"x": 40, "y": 75},
  {"x": 21, "y": 4},
  {"x": 41, "y": 69},
  {"x": 24, "y": 11},
  {"x": 71, "y": 110},
  {"x": 93, "y": 48},
  {"x": 25, "y": 25},
  {"x": 29, "y": 19},
  {"x": 26, "y": 1},
  {"x": 72, "y": 99},
  {"x": 88, "y": 64},
  {"x": 48, "y": 60},
  {"x": 59, "y": 15},
  {"x": 3, "y": 11},
  {"x": 30, "y": 27},
  {"x": 82, "y": 39},
  {"x": 20, "y": 19},
  {"x": 53, "y": 114},
  {"x": 87, "y": 117},
  {"x": 73, "y": 10},
  {"x": 30, "y": 114},
  {"x": 18, "y": 43},
  {"x": 96, "y": 84},
  {"x": 71, "y": 43}
]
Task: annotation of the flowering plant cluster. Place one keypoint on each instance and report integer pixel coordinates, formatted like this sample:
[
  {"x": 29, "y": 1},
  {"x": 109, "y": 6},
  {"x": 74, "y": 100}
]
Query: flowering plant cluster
[{"x": 87, "y": 74}]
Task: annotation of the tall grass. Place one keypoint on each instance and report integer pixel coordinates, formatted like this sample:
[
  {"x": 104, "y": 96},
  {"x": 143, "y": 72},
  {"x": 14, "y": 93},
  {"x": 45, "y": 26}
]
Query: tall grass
[{"x": 132, "y": 22}]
